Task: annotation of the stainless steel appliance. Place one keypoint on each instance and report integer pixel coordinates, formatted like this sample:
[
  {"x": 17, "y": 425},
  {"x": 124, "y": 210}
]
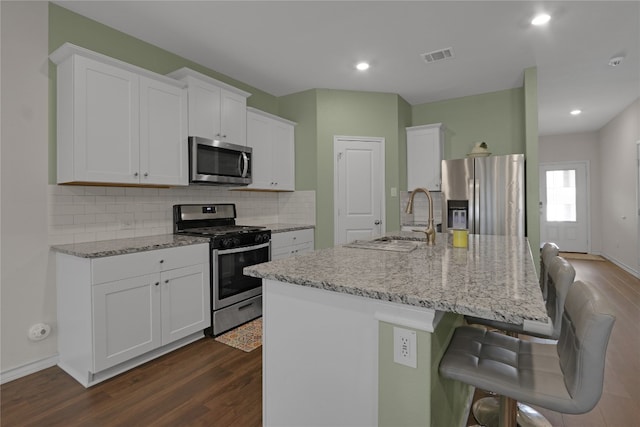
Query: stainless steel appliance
[
  {"x": 235, "y": 298},
  {"x": 215, "y": 162},
  {"x": 484, "y": 194}
]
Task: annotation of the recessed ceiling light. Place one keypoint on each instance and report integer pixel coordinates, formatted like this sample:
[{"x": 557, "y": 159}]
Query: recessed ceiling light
[
  {"x": 362, "y": 66},
  {"x": 540, "y": 19},
  {"x": 575, "y": 112}
]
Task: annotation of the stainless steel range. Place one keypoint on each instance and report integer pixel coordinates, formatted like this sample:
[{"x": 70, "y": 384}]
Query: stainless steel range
[{"x": 235, "y": 298}]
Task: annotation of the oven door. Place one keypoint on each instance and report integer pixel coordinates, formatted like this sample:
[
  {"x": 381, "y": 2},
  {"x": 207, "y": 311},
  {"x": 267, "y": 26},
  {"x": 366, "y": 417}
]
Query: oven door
[{"x": 229, "y": 285}]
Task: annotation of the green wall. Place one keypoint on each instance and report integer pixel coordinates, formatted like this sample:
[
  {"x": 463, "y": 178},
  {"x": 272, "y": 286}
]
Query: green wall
[
  {"x": 409, "y": 397},
  {"x": 496, "y": 118},
  {"x": 505, "y": 120},
  {"x": 302, "y": 108},
  {"x": 531, "y": 163},
  {"x": 351, "y": 113},
  {"x": 66, "y": 26}
]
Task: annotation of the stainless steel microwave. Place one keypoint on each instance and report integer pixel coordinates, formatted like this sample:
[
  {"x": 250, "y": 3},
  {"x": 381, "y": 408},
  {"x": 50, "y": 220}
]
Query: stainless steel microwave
[{"x": 218, "y": 163}]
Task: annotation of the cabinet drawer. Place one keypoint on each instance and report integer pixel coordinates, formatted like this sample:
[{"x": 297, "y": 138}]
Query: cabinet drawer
[
  {"x": 291, "y": 238},
  {"x": 119, "y": 267},
  {"x": 184, "y": 256}
]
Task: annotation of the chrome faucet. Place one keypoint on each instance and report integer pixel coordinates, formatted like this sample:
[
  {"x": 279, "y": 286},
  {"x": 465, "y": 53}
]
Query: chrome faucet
[{"x": 430, "y": 231}]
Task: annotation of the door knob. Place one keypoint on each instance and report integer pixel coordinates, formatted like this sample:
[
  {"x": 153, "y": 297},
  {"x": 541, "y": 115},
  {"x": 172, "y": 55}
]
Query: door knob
[{"x": 377, "y": 222}]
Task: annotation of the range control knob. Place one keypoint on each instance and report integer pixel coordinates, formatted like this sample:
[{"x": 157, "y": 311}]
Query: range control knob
[
  {"x": 236, "y": 241},
  {"x": 259, "y": 238},
  {"x": 227, "y": 243},
  {"x": 265, "y": 237}
]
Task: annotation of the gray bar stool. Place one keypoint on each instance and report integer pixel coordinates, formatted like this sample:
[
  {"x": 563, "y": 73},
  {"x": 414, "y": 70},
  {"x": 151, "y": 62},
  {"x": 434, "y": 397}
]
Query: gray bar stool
[
  {"x": 566, "y": 377},
  {"x": 560, "y": 278},
  {"x": 549, "y": 251}
]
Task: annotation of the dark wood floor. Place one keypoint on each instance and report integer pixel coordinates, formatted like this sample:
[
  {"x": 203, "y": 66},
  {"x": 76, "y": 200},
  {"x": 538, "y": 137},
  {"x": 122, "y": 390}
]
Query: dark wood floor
[
  {"x": 208, "y": 383},
  {"x": 203, "y": 384}
]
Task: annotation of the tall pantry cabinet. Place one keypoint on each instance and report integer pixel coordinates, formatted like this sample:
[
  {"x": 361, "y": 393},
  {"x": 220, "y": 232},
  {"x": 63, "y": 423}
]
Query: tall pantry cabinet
[{"x": 424, "y": 156}]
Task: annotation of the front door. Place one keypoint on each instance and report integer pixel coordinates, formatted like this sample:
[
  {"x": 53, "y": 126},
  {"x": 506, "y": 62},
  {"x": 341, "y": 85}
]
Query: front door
[
  {"x": 564, "y": 213},
  {"x": 358, "y": 188}
]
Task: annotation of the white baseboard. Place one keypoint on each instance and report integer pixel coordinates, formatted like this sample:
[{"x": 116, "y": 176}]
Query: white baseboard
[
  {"x": 28, "y": 369},
  {"x": 623, "y": 266}
]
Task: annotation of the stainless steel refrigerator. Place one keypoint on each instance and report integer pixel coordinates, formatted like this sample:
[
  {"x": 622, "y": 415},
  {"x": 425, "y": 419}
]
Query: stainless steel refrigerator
[{"x": 484, "y": 194}]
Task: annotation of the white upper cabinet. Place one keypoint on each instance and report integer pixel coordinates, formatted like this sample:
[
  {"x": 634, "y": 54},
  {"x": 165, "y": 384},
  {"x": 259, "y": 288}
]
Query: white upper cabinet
[
  {"x": 117, "y": 123},
  {"x": 217, "y": 110},
  {"x": 424, "y": 156},
  {"x": 272, "y": 140},
  {"x": 163, "y": 133}
]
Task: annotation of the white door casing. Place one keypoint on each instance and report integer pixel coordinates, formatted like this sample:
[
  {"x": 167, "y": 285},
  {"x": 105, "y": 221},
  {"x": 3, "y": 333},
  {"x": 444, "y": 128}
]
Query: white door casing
[
  {"x": 359, "y": 177},
  {"x": 638, "y": 199},
  {"x": 571, "y": 235}
]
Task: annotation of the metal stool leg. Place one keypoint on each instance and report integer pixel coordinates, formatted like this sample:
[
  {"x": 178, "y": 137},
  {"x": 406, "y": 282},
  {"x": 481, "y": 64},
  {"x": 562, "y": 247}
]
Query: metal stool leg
[{"x": 487, "y": 412}]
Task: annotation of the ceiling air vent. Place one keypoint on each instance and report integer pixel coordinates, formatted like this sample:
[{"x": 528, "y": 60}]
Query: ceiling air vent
[{"x": 437, "y": 55}]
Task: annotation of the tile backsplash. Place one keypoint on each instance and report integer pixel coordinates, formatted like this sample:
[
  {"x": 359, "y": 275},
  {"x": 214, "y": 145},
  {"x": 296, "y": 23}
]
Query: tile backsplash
[
  {"x": 87, "y": 213},
  {"x": 420, "y": 213}
]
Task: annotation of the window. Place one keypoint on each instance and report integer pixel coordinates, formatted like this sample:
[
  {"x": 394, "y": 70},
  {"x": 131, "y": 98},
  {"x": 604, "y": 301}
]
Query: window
[{"x": 561, "y": 195}]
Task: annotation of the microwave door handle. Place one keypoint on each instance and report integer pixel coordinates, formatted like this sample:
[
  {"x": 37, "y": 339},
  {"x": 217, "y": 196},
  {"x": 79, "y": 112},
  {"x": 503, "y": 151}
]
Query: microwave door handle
[{"x": 245, "y": 164}]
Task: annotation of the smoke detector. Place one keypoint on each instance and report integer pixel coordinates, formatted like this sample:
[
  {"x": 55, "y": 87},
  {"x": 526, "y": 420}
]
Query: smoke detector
[
  {"x": 437, "y": 55},
  {"x": 616, "y": 60}
]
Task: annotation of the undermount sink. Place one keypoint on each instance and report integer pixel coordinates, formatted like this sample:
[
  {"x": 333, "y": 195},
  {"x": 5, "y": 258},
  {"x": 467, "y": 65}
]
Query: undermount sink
[{"x": 385, "y": 244}]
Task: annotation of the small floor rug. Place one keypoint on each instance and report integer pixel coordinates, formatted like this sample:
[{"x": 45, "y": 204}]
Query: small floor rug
[
  {"x": 576, "y": 255},
  {"x": 246, "y": 337}
]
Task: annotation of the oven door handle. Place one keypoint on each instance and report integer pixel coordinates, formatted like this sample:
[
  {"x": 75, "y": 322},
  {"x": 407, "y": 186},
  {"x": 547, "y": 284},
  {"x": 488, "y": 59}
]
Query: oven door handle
[{"x": 242, "y": 249}]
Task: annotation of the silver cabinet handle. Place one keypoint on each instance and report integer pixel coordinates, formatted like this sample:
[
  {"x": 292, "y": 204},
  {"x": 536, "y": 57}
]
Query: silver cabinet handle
[
  {"x": 377, "y": 222},
  {"x": 146, "y": 174},
  {"x": 135, "y": 174}
]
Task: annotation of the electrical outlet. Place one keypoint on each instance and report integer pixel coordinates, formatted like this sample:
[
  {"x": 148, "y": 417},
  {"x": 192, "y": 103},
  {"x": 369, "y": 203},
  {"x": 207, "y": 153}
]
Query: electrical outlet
[{"x": 405, "y": 347}]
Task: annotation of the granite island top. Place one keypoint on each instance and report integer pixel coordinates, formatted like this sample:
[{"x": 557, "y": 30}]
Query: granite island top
[
  {"x": 106, "y": 248},
  {"x": 494, "y": 278}
]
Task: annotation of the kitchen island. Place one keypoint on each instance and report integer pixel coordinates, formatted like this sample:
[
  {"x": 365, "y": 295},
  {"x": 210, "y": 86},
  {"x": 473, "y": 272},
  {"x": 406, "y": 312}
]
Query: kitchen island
[{"x": 329, "y": 319}]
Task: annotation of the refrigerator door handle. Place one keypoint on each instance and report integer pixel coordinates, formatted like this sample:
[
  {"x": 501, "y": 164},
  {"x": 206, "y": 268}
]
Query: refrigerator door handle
[{"x": 475, "y": 207}]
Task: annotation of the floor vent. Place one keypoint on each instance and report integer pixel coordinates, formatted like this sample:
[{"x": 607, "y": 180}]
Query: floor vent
[{"x": 437, "y": 55}]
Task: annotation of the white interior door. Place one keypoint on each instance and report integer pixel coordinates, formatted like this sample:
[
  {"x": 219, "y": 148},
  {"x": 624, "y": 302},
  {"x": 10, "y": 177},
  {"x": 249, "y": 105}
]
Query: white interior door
[
  {"x": 564, "y": 205},
  {"x": 358, "y": 188}
]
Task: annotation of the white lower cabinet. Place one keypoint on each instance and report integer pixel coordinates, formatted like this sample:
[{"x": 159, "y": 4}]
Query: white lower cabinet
[
  {"x": 117, "y": 312},
  {"x": 291, "y": 243}
]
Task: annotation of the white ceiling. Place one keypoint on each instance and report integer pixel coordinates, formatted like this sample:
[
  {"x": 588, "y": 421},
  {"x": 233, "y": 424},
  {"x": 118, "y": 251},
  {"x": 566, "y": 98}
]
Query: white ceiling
[{"x": 290, "y": 46}]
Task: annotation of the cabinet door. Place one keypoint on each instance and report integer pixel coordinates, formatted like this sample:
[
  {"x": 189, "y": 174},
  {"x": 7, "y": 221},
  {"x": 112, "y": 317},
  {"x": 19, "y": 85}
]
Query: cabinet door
[
  {"x": 126, "y": 319},
  {"x": 204, "y": 109},
  {"x": 283, "y": 156},
  {"x": 106, "y": 120},
  {"x": 185, "y": 302},
  {"x": 163, "y": 133},
  {"x": 424, "y": 155},
  {"x": 233, "y": 120},
  {"x": 259, "y": 139}
]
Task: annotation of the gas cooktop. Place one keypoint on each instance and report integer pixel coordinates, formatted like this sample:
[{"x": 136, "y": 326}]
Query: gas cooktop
[
  {"x": 218, "y": 222},
  {"x": 220, "y": 230}
]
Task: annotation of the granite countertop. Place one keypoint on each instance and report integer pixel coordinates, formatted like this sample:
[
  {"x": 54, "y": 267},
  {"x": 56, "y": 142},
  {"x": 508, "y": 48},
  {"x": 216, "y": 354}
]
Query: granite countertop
[
  {"x": 283, "y": 227},
  {"x": 494, "y": 278},
  {"x": 106, "y": 248}
]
